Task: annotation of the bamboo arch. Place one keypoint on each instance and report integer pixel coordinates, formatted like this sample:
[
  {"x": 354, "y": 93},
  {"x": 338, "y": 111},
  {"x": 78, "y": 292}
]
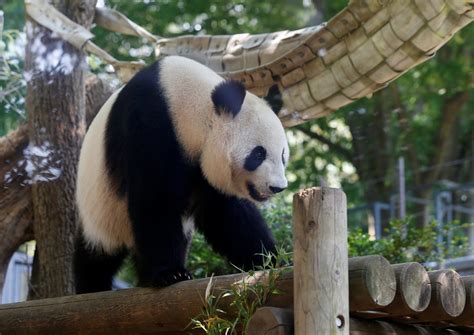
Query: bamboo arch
[{"x": 318, "y": 69}]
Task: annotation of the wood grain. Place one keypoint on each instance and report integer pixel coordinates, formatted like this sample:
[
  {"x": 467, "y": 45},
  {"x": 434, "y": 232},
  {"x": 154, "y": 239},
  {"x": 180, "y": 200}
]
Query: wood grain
[
  {"x": 321, "y": 298},
  {"x": 372, "y": 282}
]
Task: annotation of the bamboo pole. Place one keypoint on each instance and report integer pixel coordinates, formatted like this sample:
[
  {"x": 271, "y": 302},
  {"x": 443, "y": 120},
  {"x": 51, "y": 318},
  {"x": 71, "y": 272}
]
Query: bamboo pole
[{"x": 321, "y": 297}]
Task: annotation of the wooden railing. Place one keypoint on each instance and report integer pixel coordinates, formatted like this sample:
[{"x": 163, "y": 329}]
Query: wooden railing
[{"x": 324, "y": 293}]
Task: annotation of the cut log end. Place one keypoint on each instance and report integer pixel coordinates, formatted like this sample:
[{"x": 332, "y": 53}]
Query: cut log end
[
  {"x": 452, "y": 293},
  {"x": 413, "y": 289},
  {"x": 466, "y": 318},
  {"x": 448, "y": 296},
  {"x": 371, "y": 277}
]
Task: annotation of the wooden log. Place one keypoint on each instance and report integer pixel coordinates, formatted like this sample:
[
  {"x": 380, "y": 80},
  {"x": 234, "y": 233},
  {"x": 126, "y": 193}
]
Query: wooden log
[
  {"x": 467, "y": 316},
  {"x": 433, "y": 330},
  {"x": 277, "y": 321},
  {"x": 448, "y": 296},
  {"x": 413, "y": 292},
  {"x": 321, "y": 297},
  {"x": 132, "y": 311},
  {"x": 168, "y": 309},
  {"x": 372, "y": 283},
  {"x": 152, "y": 311},
  {"x": 361, "y": 326},
  {"x": 143, "y": 310},
  {"x": 271, "y": 321},
  {"x": 371, "y": 327},
  {"x": 365, "y": 327}
]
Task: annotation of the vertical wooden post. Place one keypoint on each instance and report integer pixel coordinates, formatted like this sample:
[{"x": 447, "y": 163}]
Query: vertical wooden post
[{"x": 321, "y": 289}]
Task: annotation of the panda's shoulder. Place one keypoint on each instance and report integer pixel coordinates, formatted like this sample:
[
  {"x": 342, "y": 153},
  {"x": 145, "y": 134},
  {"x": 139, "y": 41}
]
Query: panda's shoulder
[{"x": 146, "y": 79}]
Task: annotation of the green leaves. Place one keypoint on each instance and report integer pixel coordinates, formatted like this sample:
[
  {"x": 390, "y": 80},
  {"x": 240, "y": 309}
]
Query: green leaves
[
  {"x": 404, "y": 241},
  {"x": 247, "y": 295}
]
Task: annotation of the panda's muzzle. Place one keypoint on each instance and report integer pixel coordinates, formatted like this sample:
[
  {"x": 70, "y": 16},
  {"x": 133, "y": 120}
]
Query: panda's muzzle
[{"x": 255, "y": 194}]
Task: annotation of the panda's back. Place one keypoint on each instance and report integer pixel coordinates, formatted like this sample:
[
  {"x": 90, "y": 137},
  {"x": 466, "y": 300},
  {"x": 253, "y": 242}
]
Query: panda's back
[
  {"x": 158, "y": 119},
  {"x": 167, "y": 105}
]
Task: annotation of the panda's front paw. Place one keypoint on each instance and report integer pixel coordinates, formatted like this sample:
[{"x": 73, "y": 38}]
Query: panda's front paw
[{"x": 169, "y": 276}]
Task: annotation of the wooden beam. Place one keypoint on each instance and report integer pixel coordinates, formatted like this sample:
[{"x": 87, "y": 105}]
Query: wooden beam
[
  {"x": 140, "y": 310},
  {"x": 321, "y": 287},
  {"x": 466, "y": 318},
  {"x": 169, "y": 310},
  {"x": 271, "y": 321},
  {"x": 132, "y": 311},
  {"x": 448, "y": 296},
  {"x": 279, "y": 321},
  {"x": 413, "y": 290},
  {"x": 372, "y": 283}
]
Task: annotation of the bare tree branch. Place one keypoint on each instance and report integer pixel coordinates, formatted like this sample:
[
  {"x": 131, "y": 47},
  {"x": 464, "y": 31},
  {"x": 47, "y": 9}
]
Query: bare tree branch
[
  {"x": 447, "y": 133},
  {"x": 347, "y": 154},
  {"x": 404, "y": 126},
  {"x": 318, "y": 17}
]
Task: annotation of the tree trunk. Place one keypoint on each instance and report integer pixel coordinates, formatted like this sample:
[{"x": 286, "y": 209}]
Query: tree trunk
[
  {"x": 16, "y": 207},
  {"x": 56, "y": 112},
  {"x": 15, "y": 197}
]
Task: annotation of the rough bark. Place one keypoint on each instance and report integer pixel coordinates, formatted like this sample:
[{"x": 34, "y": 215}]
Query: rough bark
[
  {"x": 16, "y": 215},
  {"x": 15, "y": 197},
  {"x": 56, "y": 113}
]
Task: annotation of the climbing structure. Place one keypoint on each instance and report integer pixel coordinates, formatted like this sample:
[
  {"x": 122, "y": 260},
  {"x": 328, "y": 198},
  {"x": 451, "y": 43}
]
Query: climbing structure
[{"x": 318, "y": 69}]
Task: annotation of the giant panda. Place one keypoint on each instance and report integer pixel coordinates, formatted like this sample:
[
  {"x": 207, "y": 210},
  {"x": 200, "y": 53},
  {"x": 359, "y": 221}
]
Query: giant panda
[{"x": 177, "y": 148}]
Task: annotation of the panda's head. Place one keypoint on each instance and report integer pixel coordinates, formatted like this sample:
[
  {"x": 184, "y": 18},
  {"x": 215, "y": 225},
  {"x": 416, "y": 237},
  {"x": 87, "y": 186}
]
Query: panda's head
[{"x": 246, "y": 150}]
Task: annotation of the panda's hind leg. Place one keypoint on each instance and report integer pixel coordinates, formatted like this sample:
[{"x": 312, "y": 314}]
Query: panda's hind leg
[{"x": 94, "y": 270}]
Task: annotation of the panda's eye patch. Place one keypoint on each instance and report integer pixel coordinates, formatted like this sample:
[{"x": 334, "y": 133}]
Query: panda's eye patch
[{"x": 255, "y": 158}]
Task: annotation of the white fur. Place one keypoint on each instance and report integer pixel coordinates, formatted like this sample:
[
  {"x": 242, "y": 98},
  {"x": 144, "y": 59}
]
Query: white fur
[
  {"x": 188, "y": 86},
  {"x": 188, "y": 226},
  {"x": 104, "y": 217}
]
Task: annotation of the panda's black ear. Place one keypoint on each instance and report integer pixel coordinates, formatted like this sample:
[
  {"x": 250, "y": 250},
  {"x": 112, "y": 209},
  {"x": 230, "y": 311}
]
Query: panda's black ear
[
  {"x": 228, "y": 97},
  {"x": 274, "y": 99}
]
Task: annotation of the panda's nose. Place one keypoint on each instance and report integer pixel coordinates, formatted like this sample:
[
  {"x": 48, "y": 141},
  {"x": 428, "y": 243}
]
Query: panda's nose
[{"x": 275, "y": 189}]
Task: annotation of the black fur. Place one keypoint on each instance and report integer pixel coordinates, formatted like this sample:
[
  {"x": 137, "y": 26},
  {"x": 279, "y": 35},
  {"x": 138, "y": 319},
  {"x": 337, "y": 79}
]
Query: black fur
[
  {"x": 228, "y": 97},
  {"x": 93, "y": 270},
  {"x": 233, "y": 227},
  {"x": 255, "y": 158},
  {"x": 148, "y": 167},
  {"x": 274, "y": 99}
]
